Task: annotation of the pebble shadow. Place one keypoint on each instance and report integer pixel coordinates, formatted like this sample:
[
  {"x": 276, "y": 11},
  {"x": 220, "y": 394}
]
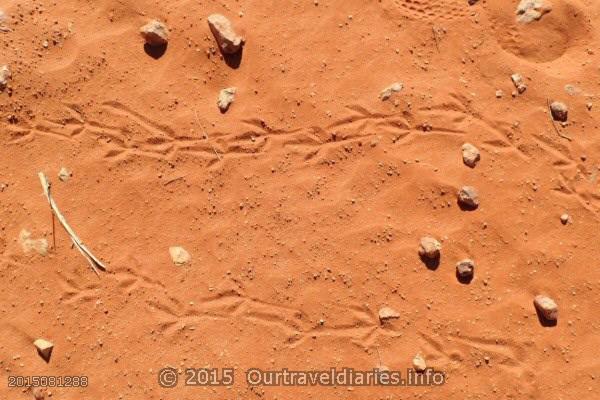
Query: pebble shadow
[
  {"x": 155, "y": 52},
  {"x": 233, "y": 60},
  {"x": 466, "y": 207},
  {"x": 465, "y": 280},
  {"x": 431, "y": 263}
]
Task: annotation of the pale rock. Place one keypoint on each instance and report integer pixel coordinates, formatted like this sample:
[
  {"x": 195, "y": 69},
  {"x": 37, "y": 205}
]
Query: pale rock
[
  {"x": 3, "y": 19},
  {"x": 564, "y": 219},
  {"x": 419, "y": 363},
  {"x": 559, "y": 111},
  {"x": 429, "y": 248},
  {"x": 387, "y": 313},
  {"x": 44, "y": 348},
  {"x": 155, "y": 33},
  {"x": 5, "y": 76},
  {"x": 390, "y": 90},
  {"x": 532, "y": 10},
  {"x": 179, "y": 256},
  {"x": 519, "y": 83},
  {"x": 229, "y": 42},
  {"x": 470, "y": 154},
  {"x": 468, "y": 197},
  {"x": 547, "y": 307},
  {"x": 465, "y": 269},
  {"x": 64, "y": 174},
  {"x": 226, "y": 97},
  {"x": 39, "y": 393},
  {"x": 28, "y": 244}
]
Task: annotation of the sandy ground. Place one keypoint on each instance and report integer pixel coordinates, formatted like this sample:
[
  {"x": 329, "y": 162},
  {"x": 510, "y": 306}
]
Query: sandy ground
[{"x": 303, "y": 205}]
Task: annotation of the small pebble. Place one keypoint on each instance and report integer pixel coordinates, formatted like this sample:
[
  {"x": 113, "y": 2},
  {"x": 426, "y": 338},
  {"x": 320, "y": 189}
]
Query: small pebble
[
  {"x": 229, "y": 42},
  {"x": 390, "y": 90},
  {"x": 419, "y": 363},
  {"x": 468, "y": 197},
  {"x": 547, "y": 307},
  {"x": 559, "y": 111},
  {"x": 519, "y": 83},
  {"x": 226, "y": 98},
  {"x": 564, "y": 219},
  {"x": 387, "y": 313},
  {"x": 470, "y": 154},
  {"x": 465, "y": 269},
  {"x": 64, "y": 174},
  {"x": 155, "y": 33},
  {"x": 44, "y": 348},
  {"x": 179, "y": 256},
  {"x": 5, "y": 76},
  {"x": 429, "y": 248}
]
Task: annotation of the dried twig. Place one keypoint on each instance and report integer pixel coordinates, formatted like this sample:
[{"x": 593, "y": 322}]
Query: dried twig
[
  {"x": 558, "y": 132},
  {"x": 206, "y": 136},
  {"x": 435, "y": 38},
  {"x": 94, "y": 262}
]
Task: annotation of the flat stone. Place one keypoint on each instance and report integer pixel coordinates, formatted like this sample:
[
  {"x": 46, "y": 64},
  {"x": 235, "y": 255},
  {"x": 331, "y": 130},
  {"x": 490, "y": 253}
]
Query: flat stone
[
  {"x": 44, "y": 348},
  {"x": 419, "y": 363},
  {"x": 179, "y": 256},
  {"x": 429, "y": 248},
  {"x": 229, "y": 42},
  {"x": 547, "y": 307},
  {"x": 470, "y": 154},
  {"x": 532, "y": 10},
  {"x": 559, "y": 111},
  {"x": 155, "y": 33},
  {"x": 387, "y": 313},
  {"x": 390, "y": 90},
  {"x": 28, "y": 244},
  {"x": 226, "y": 98},
  {"x": 468, "y": 197}
]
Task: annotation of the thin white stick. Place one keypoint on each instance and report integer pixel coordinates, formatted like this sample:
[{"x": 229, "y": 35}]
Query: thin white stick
[{"x": 94, "y": 262}]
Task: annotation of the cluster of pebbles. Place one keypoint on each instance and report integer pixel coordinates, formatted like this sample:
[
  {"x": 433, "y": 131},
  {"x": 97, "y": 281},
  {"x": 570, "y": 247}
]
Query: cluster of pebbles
[
  {"x": 156, "y": 34},
  {"x": 468, "y": 199}
]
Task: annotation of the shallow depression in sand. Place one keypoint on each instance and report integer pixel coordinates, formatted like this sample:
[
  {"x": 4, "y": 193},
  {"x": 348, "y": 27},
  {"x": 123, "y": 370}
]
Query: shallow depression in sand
[{"x": 563, "y": 28}]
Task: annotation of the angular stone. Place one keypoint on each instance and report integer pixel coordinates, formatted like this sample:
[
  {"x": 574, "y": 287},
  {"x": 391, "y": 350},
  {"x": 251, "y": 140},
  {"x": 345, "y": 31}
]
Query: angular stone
[
  {"x": 470, "y": 154},
  {"x": 387, "y": 313},
  {"x": 429, "y": 248},
  {"x": 547, "y": 307},
  {"x": 179, "y": 256},
  {"x": 465, "y": 269},
  {"x": 519, "y": 83},
  {"x": 5, "y": 76},
  {"x": 564, "y": 219},
  {"x": 226, "y": 97},
  {"x": 155, "y": 33},
  {"x": 419, "y": 363},
  {"x": 44, "y": 348},
  {"x": 468, "y": 197},
  {"x": 390, "y": 90},
  {"x": 532, "y": 10},
  {"x": 559, "y": 111},
  {"x": 229, "y": 42}
]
